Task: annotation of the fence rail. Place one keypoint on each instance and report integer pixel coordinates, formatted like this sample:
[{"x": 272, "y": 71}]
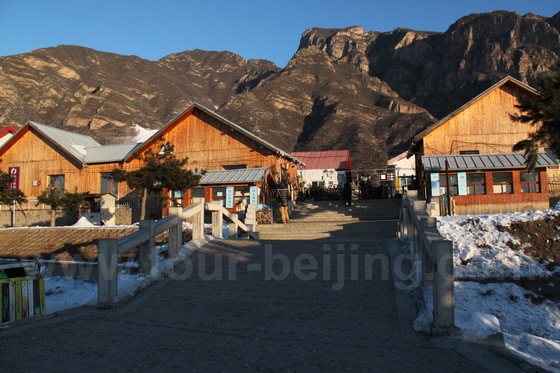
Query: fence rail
[
  {"x": 436, "y": 256},
  {"x": 144, "y": 239}
]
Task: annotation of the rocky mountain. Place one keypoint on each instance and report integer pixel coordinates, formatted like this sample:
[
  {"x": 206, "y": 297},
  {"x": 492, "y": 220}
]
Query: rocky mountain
[{"x": 367, "y": 91}]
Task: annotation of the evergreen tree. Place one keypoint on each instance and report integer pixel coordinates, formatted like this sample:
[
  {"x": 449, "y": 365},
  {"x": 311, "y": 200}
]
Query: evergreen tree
[
  {"x": 543, "y": 113},
  {"x": 161, "y": 170},
  {"x": 56, "y": 199},
  {"x": 8, "y": 196}
]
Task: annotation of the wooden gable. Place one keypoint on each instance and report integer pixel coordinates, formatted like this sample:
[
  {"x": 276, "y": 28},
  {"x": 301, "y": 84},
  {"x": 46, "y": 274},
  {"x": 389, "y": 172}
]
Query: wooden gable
[
  {"x": 209, "y": 143},
  {"x": 484, "y": 124},
  {"x": 38, "y": 157}
]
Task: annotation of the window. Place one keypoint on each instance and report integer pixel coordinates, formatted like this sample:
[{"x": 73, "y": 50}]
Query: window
[
  {"x": 530, "y": 182},
  {"x": 476, "y": 184},
  {"x": 176, "y": 198},
  {"x": 235, "y": 167},
  {"x": 56, "y": 182},
  {"x": 469, "y": 152},
  {"x": 197, "y": 192},
  {"x": 452, "y": 184},
  {"x": 108, "y": 184},
  {"x": 503, "y": 183}
]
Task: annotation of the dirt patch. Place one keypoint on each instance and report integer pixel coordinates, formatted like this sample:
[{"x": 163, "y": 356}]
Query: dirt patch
[{"x": 540, "y": 239}]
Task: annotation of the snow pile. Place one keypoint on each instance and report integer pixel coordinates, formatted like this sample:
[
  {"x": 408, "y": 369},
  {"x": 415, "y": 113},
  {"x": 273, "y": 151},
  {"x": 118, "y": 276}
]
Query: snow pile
[
  {"x": 83, "y": 222},
  {"x": 481, "y": 250},
  {"x": 143, "y": 134},
  {"x": 484, "y": 309}
]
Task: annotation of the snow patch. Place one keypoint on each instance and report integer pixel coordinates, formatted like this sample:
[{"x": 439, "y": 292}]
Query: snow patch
[
  {"x": 143, "y": 134},
  {"x": 83, "y": 222}
]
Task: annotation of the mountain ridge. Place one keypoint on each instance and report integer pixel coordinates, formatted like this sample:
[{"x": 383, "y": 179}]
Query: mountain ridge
[{"x": 346, "y": 88}]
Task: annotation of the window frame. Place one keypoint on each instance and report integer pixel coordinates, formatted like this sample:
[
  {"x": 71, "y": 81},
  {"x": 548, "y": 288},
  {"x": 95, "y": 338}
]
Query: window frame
[
  {"x": 537, "y": 183},
  {"x": 443, "y": 186},
  {"x": 102, "y": 177},
  {"x": 52, "y": 182},
  {"x": 501, "y": 185},
  {"x": 469, "y": 185}
]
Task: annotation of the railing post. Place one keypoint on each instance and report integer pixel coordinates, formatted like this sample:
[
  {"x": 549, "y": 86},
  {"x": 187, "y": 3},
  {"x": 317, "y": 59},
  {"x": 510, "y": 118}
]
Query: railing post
[
  {"x": 198, "y": 220},
  {"x": 217, "y": 221},
  {"x": 176, "y": 232},
  {"x": 251, "y": 217},
  {"x": 233, "y": 227},
  {"x": 147, "y": 251},
  {"x": 107, "y": 258},
  {"x": 443, "y": 284}
]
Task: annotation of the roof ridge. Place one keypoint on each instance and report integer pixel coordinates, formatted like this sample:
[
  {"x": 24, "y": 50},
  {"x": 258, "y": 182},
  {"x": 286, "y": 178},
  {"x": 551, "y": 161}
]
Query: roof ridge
[{"x": 62, "y": 130}]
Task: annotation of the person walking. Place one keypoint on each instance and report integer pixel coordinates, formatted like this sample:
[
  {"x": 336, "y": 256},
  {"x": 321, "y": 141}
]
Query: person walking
[
  {"x": 283, "y": 198},
  {"x": 347, "y": 194}
]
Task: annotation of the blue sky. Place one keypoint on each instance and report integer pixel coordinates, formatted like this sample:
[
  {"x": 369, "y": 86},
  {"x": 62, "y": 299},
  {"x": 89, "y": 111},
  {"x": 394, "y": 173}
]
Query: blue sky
[{"x": 252, "y": 29}]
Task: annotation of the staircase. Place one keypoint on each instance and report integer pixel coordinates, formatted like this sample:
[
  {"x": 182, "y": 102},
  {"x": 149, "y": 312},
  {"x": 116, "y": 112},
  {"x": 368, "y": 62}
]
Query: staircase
[{"x": 333, "y": 220}]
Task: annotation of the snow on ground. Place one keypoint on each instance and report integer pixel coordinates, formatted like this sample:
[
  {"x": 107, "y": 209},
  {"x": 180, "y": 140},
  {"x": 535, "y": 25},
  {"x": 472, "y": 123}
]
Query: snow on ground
[
  {"x": 83, "y": 222},
  {"x": 480, "y": 250},
  {"x": 531, "y": 331},
  {"x": 64, "y": 292},
  {"x": 143, "y": 134}
]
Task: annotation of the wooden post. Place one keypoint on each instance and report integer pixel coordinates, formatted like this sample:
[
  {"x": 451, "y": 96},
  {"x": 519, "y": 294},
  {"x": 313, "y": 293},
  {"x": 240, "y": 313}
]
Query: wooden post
[
  {"x": 147, "y": 250},
  {"x": 198, "y": 220},
  {"x": 107, "y": 271},
  {"x": 176, "y": 232},
  {"x": 217, "y": 221}
]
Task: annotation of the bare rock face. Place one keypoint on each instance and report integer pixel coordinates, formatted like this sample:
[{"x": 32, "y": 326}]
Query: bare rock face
[{"x": 366, "y": 91}]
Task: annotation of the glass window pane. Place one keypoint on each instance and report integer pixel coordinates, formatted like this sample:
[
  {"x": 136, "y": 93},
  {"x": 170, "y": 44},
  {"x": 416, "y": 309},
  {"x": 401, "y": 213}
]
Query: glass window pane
[
  {"x": 197, "y": 192},
  {"x": 56, "y": 182},
  {"x": 524, "y": 188},
  {"x": 108, "y": 185},
  {"x": 507, "y": 188},
  {"x": 471, "y": 189},
  {"x": 219, "y": 192},
  {"x": 480, "y": 189},
  {"x": 497, "y": 189},
  {"x": 475, "y": 179},
  {"x": 501, "y": 177},
  {"x": 529, "y": 177}
]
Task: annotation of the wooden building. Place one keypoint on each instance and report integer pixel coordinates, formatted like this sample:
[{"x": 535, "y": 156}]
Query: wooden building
[
  {"x": 476, "y": 140},
  {"x": 44, "y": 156}
]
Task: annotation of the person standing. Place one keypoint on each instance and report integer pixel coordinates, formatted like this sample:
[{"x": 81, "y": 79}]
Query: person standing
[
  {"x": 283, "y": 197},
  {"x": 347, "y": 194}
]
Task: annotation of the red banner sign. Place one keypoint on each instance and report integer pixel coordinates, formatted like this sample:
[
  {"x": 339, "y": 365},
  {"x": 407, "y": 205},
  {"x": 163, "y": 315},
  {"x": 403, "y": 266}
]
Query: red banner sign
[{"x": 14, "y": 173}]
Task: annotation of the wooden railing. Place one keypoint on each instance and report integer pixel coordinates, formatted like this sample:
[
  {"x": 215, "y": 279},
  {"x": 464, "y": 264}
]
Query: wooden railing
[
  {"x": 110, "y": 249},
  {"x": 436, "y": 256}
]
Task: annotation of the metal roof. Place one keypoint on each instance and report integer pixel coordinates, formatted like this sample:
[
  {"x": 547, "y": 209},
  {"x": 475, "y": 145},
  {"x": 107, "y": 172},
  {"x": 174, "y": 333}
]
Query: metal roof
[
  {"x": 242, "y": 175},
  {"x": 328, "y": 159},
  {"x": 484, "y": 161},
  {"x": 231, "y": 125},
  {"x": 71, "y": 142},
  {"x": 505, "y": 80},
  {"x": 109, "y": 153}
]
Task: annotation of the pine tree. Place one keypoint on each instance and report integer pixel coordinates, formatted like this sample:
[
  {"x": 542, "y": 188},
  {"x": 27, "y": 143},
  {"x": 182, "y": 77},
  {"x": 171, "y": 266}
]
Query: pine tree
[
  {"x": 543, "y": 113},
  {"x": 161, "y": 170},
  {"x": 8, "y": 196},
  {"x": 56, "y": 199}
]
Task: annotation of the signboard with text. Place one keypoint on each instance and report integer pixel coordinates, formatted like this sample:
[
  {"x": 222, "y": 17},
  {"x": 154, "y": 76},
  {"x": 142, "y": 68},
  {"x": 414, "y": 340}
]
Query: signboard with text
[
  {"x": 14, "y": 173},
  {"x": 229, "y": 197},
  {"x": 253, "y": 194}
]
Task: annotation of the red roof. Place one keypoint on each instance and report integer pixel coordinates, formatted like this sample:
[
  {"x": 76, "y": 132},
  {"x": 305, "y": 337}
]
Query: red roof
[
  {"x": 328, "y": 159},
  {"x": 6, "y": 130}
]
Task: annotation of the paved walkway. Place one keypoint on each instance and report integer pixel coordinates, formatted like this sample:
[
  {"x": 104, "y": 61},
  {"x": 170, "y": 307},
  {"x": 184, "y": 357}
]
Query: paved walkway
[{"x": 249, "y": 323}]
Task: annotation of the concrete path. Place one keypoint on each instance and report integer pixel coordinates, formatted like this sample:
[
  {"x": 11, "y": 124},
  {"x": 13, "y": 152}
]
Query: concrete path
[{"x": 258, "y": 321}]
